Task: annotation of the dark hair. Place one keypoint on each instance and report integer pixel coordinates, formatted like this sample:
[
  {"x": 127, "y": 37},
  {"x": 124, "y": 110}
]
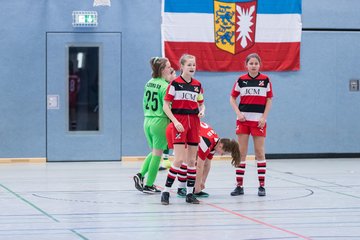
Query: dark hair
[
  {"x": 157, "y": 65},
  {"x": 253, "y": 55},
  {"x": 232, "y": 146}
]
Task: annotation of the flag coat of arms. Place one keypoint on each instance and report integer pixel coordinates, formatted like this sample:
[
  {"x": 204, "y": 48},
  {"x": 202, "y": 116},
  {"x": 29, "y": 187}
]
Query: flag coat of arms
[{"x": 221, "y": 33}]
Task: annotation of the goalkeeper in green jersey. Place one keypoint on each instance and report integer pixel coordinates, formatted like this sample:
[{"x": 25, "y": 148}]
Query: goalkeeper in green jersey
[{"x": 155, "y": 123}]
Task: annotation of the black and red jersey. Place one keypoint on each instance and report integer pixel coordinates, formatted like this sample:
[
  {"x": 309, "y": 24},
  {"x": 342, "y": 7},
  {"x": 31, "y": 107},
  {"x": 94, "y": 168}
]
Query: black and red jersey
[
  {"x": 185, "y": 97},
  {"x": 208, "y": 141},
  {"x": 253, "y": 94}
]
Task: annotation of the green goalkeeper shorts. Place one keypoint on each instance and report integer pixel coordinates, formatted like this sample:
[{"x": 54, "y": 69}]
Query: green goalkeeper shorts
[{"x": 155, "y": 132}]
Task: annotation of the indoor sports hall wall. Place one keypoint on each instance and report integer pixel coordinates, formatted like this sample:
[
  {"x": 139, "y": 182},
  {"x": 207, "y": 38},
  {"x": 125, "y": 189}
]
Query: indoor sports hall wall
[{"x": 313, "y": 110}]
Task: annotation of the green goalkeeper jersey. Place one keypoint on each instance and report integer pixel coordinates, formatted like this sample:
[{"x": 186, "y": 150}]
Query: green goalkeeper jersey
[{"x": 154, "y": 92}]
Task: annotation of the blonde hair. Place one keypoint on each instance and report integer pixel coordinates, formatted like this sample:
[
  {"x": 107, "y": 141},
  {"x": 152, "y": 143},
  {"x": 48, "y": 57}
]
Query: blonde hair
[
  {"x": 184, "y": 58},
  {"x": 232, "y": 146},
  {"x": 157, "y": 65}
]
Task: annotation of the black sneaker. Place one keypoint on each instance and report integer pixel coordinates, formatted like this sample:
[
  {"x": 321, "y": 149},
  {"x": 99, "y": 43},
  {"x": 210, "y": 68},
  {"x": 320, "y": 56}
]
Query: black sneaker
[
  {"x": 165, "y": 198},
  {"x": 139, "y": 182},
  {"x": 181, "y": 192},
  {"x": 237, "y": 191},
  {"x": 201, "y": 194},
  {"x": 261, "y": 192},
  {"x": 151, "y": 189},
  {"x": 190, "y": 198}
]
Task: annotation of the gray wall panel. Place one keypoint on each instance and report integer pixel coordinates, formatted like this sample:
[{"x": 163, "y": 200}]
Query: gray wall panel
[{"x": 313, "y": 110}]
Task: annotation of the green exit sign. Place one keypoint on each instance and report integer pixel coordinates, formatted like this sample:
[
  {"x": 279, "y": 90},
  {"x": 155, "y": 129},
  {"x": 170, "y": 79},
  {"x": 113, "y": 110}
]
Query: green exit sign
[{"x": 85, "y": 18}]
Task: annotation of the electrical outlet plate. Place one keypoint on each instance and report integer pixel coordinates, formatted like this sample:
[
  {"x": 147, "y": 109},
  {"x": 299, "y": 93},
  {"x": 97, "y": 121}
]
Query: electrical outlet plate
[{"x": 354, "y": 85}]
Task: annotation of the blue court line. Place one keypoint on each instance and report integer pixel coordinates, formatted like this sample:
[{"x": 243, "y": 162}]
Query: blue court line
[
  {"x": 29, "y": 203},
  {"x": 39, "y": 209},
  {"x": 78, "y": 234},
  {"x": 317, "y": 187},
  {"x": 311, "y": 178}
]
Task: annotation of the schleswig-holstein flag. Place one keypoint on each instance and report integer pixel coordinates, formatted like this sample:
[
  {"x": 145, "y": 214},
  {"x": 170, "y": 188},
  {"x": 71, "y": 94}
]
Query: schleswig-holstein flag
[{"x": 221, "y": 33}]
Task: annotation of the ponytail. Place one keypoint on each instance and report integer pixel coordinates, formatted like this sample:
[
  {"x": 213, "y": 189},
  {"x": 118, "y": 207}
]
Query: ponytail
[
  {"x": 232, "y": 146},
  {"x": 157, "y": 65}
]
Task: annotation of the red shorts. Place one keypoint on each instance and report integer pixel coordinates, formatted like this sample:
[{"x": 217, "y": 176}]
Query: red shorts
[
  {"x": 190, "y": 136},
  {"x": 250, "y": 130},
  {"x": 169, "y": 135}
]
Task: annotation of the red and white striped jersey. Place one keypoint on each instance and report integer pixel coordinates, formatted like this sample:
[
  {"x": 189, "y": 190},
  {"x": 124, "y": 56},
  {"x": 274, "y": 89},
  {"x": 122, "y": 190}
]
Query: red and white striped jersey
[
  {"x": 208, "y": 141},
  {"x": 253, "y": 94},
  {"x": 184, "y": 96}
]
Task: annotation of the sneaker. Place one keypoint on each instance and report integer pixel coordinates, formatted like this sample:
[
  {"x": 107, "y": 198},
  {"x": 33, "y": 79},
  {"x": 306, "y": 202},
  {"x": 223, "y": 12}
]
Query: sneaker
[
  {"x": 261, "y": 192},
  {"x": 165, "y": 198},
  {"x": 201, "y": 194},
  {"x": 139, "y": 182},
  {"x": 190, "y": 198},
  {"x": 161, "y": 168},
  {"x": 151, "y": 189},
  {"x": 237, "y": 191},
  {"x": 181, "y": 192}
]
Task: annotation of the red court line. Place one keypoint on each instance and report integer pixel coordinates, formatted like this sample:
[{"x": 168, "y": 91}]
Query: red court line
[
  {"x": 256, "y": 221},
  {"x": 250, "y": 219}
]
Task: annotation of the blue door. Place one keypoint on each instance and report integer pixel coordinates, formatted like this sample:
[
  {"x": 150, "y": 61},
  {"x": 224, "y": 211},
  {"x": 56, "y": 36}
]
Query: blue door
[{"x": 83, "y": 75}]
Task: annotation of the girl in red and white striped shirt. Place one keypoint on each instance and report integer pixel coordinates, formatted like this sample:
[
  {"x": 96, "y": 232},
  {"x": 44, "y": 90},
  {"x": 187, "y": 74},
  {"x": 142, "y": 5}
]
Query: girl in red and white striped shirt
[
  {"x": 184, "y": 105},
  {"x": 255, "y": 92}
]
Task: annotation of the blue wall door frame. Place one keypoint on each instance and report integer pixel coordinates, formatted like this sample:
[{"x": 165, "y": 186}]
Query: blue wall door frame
[{"x": 101, "y": 145}]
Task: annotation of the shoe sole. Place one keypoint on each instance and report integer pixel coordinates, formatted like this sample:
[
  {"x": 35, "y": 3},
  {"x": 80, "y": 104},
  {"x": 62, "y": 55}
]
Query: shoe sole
[
  {"x": 201, "y": 196},
  {"x": 137, "y": 183},
  {"x": 192, "y": 200},
  {"x": 236, "y": 194},
  {"x": 150, "y": 192},
  {"x": 262, "y": 193}
]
